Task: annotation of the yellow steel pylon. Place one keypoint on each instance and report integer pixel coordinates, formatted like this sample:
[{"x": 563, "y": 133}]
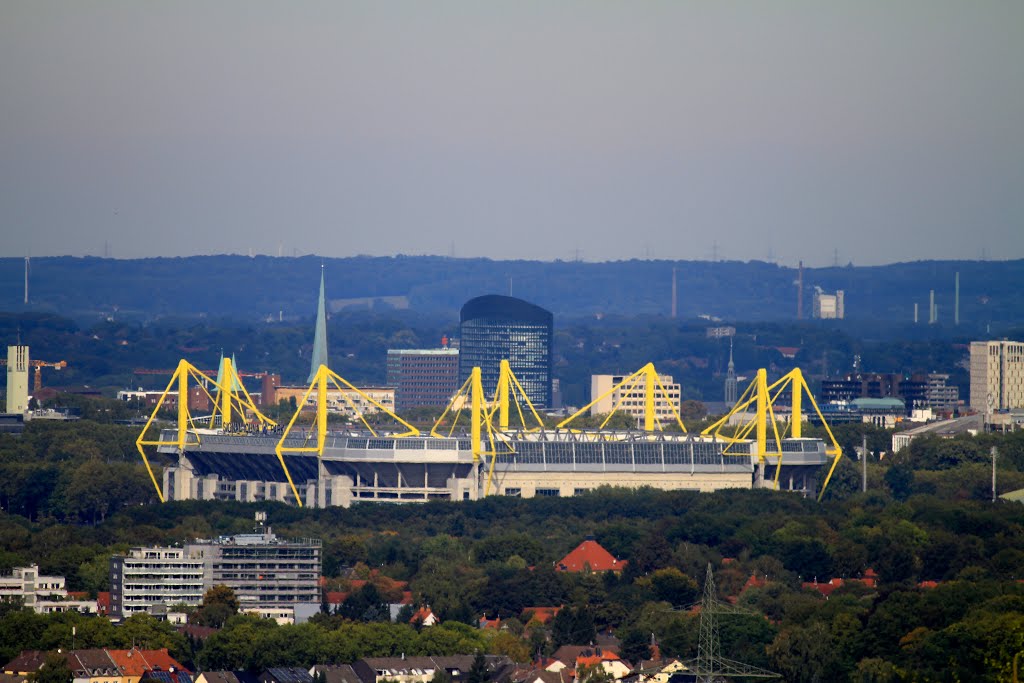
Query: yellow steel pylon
[
  {"x": 647, "y": 377},
  {"x": 321, "y": 379},
  {"x": 759, "y": 393},
  {"x": 226, "y": 401}
]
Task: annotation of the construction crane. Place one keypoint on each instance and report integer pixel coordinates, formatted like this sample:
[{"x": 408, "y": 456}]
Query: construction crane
[{"x": 37, "y": 382}]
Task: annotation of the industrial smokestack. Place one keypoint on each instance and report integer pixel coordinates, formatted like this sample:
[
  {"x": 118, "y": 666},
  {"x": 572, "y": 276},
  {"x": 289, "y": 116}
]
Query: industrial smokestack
[
  {"x": 931, "y": 307},
  {"x": 675, "y": 299},
  {"x": 956, "y": 304},
  {"x": 800, "y": 292},
  {"x": 915, "y": 312}
]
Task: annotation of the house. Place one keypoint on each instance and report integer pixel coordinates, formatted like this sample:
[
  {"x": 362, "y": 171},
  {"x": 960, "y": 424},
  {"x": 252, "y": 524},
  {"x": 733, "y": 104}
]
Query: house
[
  {"x": 425, "y": 617},
  {"x": 493, "y": 624},
  {"x": 226, "y": 677},
  {"x": 542, "y": 615},
  {"x": 542, "y": 676},
  {"x": 285, "y": 674},
  {"x": 607, "y": 660},
  {"x": 422, "y": 669},
  {"x": 659, "y": 670},
  {"x": 590, "y": 556},
  {"x": 336, "y": 673},
  {"x": 108, "y": 666}
]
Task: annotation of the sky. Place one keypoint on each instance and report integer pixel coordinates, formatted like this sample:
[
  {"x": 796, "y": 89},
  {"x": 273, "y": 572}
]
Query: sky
[{"x": 852, "y": 131}]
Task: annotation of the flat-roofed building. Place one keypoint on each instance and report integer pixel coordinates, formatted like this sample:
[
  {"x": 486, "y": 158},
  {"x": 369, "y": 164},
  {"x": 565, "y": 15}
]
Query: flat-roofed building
[
  {"x": 631, "y": 399},
  {"x": 148, "y": 576},
  {"x": 997, "y": 375},
  {"x": 423, "y": 377},
  {"x": 265, "y": 572},
  {"x": 349, "y": 402}
]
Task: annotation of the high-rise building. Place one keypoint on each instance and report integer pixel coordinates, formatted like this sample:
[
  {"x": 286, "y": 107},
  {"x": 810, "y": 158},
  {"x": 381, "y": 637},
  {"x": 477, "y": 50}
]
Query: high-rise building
[
  {"x": 144, "y": 577},
  {"x": 495, "y": 328},
  {"x": 631, "y": 400},
  {"x": 17, "y": 379},
  {"x": 829, "y": 306},
  {"x": 423, "y": 377},
  {"x": 997, "y": 375}
]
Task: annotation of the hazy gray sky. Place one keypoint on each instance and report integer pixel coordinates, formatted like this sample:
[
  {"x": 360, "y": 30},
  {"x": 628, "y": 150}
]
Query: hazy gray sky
[{"x": 885, "y": 130}]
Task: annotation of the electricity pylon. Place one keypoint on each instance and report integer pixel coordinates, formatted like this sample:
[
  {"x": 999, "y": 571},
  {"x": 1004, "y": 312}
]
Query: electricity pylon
[{"x": 710, "y": 666}]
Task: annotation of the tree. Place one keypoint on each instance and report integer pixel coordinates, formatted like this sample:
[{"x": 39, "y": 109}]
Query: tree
[
  {"x": 55, "y": 669},
  {"x": 478, "y": 671},
  {"x": 635, "y": 646},
  {"x": 219, "y": 604}
]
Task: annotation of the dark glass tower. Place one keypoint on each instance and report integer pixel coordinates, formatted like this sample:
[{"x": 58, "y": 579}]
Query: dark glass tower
[{"x": 494, "y": 328}]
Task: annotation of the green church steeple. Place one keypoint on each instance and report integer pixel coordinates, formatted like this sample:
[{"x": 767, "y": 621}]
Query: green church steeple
[{"x": 320, "y": 335}]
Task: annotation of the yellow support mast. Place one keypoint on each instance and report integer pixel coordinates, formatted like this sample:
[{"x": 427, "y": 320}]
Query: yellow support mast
[
  {"x": 225, "y": 399},
  {"x": 760, "y": 394},
  {"x": 652, "y": 389},
  {"x": 324, "y": 377}
]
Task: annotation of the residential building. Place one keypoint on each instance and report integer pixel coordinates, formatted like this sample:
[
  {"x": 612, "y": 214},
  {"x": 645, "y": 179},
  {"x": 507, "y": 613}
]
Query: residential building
[
  {"x": 495, "y": 328},
  {"x": 269, "y": 575},
  {"x": 346, "y": 400},
  {"x": 630, "y": 399},
  {"x": 829, "y": 306},
  {"x": 590, "y": 556},
  {"x": 423, "y": 669},
  {"x": 423, "y": 377},
  {"x": 44, "y": 594},
  {"x": 997, "y": 376},
  {"x": 107, "y": 666},
  {"x": 148, "y": 576}
]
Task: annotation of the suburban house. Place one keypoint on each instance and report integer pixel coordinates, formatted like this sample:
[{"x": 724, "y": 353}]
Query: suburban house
[{"x": 590, "y": 556}]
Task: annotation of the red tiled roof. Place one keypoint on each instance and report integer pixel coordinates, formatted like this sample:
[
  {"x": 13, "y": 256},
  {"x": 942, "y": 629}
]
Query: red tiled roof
[
  {"x": 590, "y": 554},
  {"x": 422, "y": 614},
  {"x": 103, "y": 602},
  {"x": 928, "y": 584},
  {"x": 541, "y": 614},
  {"x": 754, "y": 582}
]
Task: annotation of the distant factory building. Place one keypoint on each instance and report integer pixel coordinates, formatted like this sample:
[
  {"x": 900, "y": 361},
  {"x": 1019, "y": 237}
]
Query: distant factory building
[
  {"x": 494, "y": 328},
  {"x": 997, "y": 375},
  {"x": 720, "y": 332},
  {"x": 423, "y": 377},
  {"x": 630, "y": 400},
  {"x": 828, "y": 306}
]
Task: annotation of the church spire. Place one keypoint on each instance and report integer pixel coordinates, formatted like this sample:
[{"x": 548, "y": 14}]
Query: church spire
[
  {"x": 320, "y": 335},
  {"x": 730, "y": 379}
]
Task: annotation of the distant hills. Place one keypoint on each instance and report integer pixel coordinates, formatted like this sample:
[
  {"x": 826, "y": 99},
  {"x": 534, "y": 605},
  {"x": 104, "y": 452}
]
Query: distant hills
[{"x": 250, "y": 288}]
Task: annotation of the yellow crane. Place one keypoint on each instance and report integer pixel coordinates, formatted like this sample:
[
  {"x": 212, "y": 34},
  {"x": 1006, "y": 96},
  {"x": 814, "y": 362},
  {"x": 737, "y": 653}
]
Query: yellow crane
[{"x": 37, "y": 382}]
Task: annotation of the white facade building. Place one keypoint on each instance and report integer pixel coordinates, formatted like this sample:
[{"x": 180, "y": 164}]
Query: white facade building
[
  {"x": 268, "y": 575},
  {"x": 829, "y": 306},
  {"x": 997, "y": 375},
  {"x": 44, "y": 594},
  {"x": 630, "y": 399}
]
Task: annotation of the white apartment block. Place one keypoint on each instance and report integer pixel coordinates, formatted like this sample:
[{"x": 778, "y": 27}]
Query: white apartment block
[
  {"x": 829, "y": 306},
  {"x": 44, "y": 594},
  {"x": 997, "y": 375},
  {"x": 265, "y": 572},
  {"x": 630, "y": 399},
  {"x": 154, "y": 576}
]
